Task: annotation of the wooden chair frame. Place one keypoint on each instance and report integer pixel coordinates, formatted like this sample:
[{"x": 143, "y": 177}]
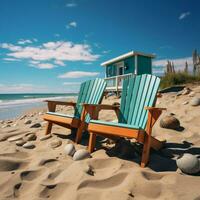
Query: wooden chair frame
[{"x": 142, "y": 136}]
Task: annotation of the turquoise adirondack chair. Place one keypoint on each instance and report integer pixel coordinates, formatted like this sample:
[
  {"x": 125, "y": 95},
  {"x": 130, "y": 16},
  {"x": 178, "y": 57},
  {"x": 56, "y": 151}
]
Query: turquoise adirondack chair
[
  {"x": 91, "y": 92},
  {"x": 136, "y": 114}
]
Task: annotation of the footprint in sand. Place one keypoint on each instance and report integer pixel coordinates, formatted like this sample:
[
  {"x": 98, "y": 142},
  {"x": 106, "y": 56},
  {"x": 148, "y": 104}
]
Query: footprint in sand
[
  {"x": 53, "y": 191},
  {"x": 107, "y": 183},
  {"x": 107, "y": 165},
  {"x": 151, "y": 176},
  {"x": 10, "y": 164},
  {"x": 31, "y": 175},
  {"x": 47, "y": 162}
]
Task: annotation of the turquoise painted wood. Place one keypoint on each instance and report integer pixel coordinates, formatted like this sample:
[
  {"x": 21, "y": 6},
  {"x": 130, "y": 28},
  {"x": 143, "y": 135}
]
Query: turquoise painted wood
[
  {"x": 91, "y": 92},
  {"x": 138, "y": 92},
  {"x": 144, "y": 65},
  {"x": 111, "y": 70}
]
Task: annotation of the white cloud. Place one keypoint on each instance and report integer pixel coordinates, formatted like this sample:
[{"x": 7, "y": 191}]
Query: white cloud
[
  {"x": 72, "y": 83},
  {"x": 10, "y": 47},
  {"x": 58, "y": 51},
  {"x": 59, "y": 62},
  {"x": 184, "y": 15},
  {"x": 44, "y": 66},
  {"x": 87, "y": 63},
  {"x": 22, "y": 41},
  {"x": 106, "y": 51},
  {"x": 21, "y": 88},
  {"x": 11, "y": 59},
  {"x": 70, "y": 5},
  {"x": 34, "y": 62},
  {"x": 179, "y": 64},
  {"x": 78, "y": 74},
  {"x": 72, "y": 24}
]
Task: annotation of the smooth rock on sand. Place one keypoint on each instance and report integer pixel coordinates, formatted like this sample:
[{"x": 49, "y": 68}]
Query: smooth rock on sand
[
  {"x": 55, "y": 143},
  {"x": 20, "y": 142},
  {"x": 69, "y": 149},
  {"x": 45, "y": 137},
  {"x": 29, "y": 145},
  {"x": 185, "y": 102},
  {"x": 36, "y": 125},
  {"x": 28, "y": 121},
  {"x": 188, "y": 163},
  {"x": 6, "y": 126},
  {"x": 81, "y": 154},
  {"x": 169, "y": 122},
  {"x": 192, "y": 94},
  {"x": 195, "y": 101},
  {"x": 31, "y": 137},
  {"x": 15, "y": 138},
  {"x": 22, "y": 117},
  {"x": 186, "y": 91}
]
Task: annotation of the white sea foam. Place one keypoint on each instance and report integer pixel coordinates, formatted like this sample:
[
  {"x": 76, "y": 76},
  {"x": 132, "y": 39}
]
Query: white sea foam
[{"x": 21, "y": 102}]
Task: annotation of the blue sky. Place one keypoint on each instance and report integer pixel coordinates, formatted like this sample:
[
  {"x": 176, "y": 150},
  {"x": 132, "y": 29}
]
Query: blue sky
[{"x": 53, "y": 45}]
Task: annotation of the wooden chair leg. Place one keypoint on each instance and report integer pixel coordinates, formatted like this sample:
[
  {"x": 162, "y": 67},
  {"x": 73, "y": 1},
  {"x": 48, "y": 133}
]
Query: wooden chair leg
[
  {"x": 48, "y": 128},
  {"x": 146, "y": 151},
  {"x": 92, "y": 142},
  {"x": 80, "y": 132}
]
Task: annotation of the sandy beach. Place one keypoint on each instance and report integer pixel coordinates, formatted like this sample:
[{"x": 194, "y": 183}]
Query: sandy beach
[{"x": 113, "y": 172}]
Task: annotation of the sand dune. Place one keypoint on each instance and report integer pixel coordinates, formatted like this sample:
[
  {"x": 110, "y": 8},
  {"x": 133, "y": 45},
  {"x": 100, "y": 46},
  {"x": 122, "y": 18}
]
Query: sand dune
[{"x": 47, "y": 173}]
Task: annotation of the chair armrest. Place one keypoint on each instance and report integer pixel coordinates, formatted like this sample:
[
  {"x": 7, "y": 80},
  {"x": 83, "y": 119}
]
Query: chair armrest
[
  {"x": 154, "y": 108},
  {"x": 70, "y": 103}
]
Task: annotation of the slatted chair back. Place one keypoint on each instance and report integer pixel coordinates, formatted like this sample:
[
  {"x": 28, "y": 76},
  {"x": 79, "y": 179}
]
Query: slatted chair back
[
  {"x": 91, "y": 92},
  {"x": 138, "y": 92}
]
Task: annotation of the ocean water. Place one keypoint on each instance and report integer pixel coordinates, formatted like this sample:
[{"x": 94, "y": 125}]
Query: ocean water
[{"x": 13, "y": 105}]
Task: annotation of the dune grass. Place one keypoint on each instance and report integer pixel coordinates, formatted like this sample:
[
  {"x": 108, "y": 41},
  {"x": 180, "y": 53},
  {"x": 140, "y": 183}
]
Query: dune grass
[{"x": 178, "y": 78}]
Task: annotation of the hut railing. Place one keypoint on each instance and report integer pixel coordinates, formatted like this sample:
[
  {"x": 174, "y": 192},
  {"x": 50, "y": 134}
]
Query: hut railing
[{"x": 115, "y": 83}]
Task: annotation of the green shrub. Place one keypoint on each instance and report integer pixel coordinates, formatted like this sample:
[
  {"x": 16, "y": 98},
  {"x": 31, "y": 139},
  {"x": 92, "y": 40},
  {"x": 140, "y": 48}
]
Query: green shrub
[{"x": 178, "y": 78}]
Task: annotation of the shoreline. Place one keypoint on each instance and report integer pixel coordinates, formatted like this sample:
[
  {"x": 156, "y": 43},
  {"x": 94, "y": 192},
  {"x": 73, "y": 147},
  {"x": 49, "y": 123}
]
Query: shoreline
[{"x": 12, "y": 110}]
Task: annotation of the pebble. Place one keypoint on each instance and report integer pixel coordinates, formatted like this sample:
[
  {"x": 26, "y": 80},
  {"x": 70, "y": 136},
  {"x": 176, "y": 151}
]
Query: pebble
[
  {"x": 22, "y": 117},
  {"x": 192, "y": 94},
  {"x": 195, "y": 101},
  {"x": 45, "y": 137},
  {"x": 55, "y": 143},
  {"x": 69, "y": 149},
  {"x": 170, "y": 122},
  {"x": 28, "y": 121},
  {"x": 6, "y": 126},
  {"x": 88, "y": 170},
  {"x": 36, "y": 125},
  {"x": 20, "y": 142},
  {"x": 28, "y": 145},
  {"x": 31, "y": 137},
  {"x": 188, "y": 163},
  {"x": 186, "y": 102},
  {"x": 15, "y": 138},
  {"x": 186, "y": 91},
  {"x": 81, "y": 154}
]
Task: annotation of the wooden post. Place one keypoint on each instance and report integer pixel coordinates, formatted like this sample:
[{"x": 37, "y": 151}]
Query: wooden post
[
  {"x": 147, "y": 141},
  {"x": 51, "y": 108},
  {"x": 92, "y": 142}
]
